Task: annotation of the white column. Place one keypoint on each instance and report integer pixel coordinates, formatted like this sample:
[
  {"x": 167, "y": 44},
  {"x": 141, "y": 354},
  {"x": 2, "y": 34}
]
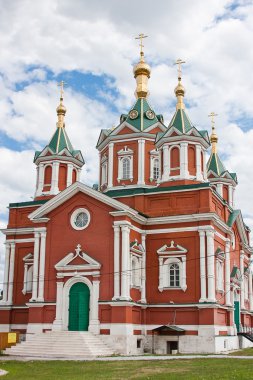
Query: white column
[
  {"x": 160, "y": 286},
  {"x": 230, "y": 195},
  {"x": 78, "y": 174},
  {"x": 116, "y": 262},
  {"x": 184, "y": 172},
  {"x": 210, "y": 266},
  {"x": 199, "y": 176},
  {"x": 219, "y": 188},
  {"x": 202, "y": 262},
  {"x": 35, "y": 266},
  {"x": 250, "y": 291},
  {"x": 6, "y": 271},
  {"x": 94, "y": 320},
  {"x": 233, "y": 197},
  {"x": 55, "y": 178},
  {"x": 242, "y": 279},
  {"x": 69, "y": 174},
  {"x": 166, "y": 163},
  {"x": 11, "y": 274},
  {"x": 143, "y": 270},
  {"x": 110, "y": 165},
  {"x": 227, "y": 273},
  {"x": 42, "y": 266},
  {"x": 125, "y": 285},
  {"x": 57, "y": 324},
  {"x": 141, "y": 162},
  {"x": 40, "y": 179},
  {"x": 183, "y": 278},
  {"x": 204, "y": 165},
  {"x": 25, "y": 279}
]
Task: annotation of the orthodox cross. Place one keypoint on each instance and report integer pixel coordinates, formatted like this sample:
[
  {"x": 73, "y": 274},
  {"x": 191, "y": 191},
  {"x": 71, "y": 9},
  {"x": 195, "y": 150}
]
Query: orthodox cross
[
  {"x": 179, "y": 63},
  {"x": 212, "y": 116},
  {"x": 78, "y": 249},
  {"x": 140, "y": 37},
  {"x": 61, "y": 85}
]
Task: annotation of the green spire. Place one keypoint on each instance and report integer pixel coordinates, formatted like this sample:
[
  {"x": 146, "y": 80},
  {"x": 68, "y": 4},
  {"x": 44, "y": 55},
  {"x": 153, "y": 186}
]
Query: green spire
[{"x": 141, "y": 116}]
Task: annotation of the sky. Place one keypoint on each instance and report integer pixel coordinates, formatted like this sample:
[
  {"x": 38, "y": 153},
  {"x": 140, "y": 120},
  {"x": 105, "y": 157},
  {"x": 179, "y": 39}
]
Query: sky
[{"x": 92, "y": 47}]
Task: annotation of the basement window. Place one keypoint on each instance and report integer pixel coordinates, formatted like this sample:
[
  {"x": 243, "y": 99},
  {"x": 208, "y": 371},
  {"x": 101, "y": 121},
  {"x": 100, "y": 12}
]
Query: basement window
[{"x": 138, "y": 343}]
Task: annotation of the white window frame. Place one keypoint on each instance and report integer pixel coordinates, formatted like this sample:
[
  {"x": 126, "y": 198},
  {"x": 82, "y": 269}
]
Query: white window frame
[
  {"x": 168, "y": 255},
  {"x": 104, "y": 168},
  {"x": 154, "y": 155},
  {"x": 135, "y": 272},
  {"x": 125, "y": 153},
  {"x": 73, "y": 218},
  {"x": 28, "y": 274}
]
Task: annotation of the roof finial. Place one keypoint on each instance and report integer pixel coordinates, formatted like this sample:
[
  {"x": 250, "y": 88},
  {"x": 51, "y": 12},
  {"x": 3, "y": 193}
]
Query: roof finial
[
  {"x": 179, "y": 90},
  {"x": 61, "y": 109},
  {"x": 141, "y": 72},
  {"x": 213, "y": 137}
]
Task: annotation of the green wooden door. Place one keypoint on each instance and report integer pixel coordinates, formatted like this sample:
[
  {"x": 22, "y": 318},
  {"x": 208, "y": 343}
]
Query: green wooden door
[
  {"x": 79, "y": 307},
  {"x": 237, "y": 314}
]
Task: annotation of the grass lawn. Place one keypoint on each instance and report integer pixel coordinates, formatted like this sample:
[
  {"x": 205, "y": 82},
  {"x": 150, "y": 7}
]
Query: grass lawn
[
  {"x": 245, "y": 352},
  {"x": 177, "y": 369}
]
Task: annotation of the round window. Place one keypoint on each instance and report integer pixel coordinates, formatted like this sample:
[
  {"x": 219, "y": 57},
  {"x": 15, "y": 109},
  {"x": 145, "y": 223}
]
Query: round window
[{"x": 80, "y": 219}]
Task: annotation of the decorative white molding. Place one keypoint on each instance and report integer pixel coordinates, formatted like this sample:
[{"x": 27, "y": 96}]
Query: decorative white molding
[
  {"x": 123, "y": 155},
  {"x": 110, "y": 166},
  {"x": 75, "y": 214},
  {"x": 89, "y": 262}
]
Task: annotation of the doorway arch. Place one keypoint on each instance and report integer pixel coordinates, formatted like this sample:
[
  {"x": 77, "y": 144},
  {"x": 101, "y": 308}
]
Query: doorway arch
[{"x": 79, "y": 307}]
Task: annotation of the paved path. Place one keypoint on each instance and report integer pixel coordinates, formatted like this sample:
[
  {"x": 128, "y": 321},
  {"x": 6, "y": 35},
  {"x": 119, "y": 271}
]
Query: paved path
[{"x": 125, "y": 358}]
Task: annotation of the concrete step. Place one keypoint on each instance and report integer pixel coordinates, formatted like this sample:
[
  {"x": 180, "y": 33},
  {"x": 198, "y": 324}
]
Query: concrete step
[{"x": 61, "y": 344}]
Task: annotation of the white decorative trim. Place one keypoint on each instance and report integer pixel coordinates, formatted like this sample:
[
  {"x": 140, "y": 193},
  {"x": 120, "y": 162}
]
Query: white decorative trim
[
  {"x": 89, "y": 262},
  {"x": 124, "y": 154},
  {"x": 75, "y": 214}
]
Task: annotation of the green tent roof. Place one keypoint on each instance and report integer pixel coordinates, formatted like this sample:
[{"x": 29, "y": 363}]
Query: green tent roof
[
  {"x": 232, "y": 217},
  {"x": 142, "y": 122},
  {"x": 181, "y": 121},
  {"x": 215, "y": 164}
]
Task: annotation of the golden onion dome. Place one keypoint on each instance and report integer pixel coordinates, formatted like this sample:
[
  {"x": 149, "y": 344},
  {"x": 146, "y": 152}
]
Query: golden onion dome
[
  {"x": 61, "y": 109},
  {"x": 179, "y": 89}
]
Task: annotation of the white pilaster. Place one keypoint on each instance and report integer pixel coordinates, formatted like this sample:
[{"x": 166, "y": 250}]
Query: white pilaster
[
  {"x": 143, "y": 270},
  {"x": 11, "y": 274},
  {"x": 183, "y": 274},
  {"x": 116, "y": 262},
  {"x": 57, "y": 324},
  {"x": 6, "y": 271},
  {"x": 160, "y": 286},
  {"x": 35, "y": 266},
  {"x": 141, "y": 162},
  {"x": 40, "y": 179},
  {"x": 210, "y": 266},
  {"x": 166, "y": 163},
  {"x": 69, "y": 174},
  {"x": 25, "y": 279},
  {"x": 230, "y": 195},
  {"x": 184, "y": 172},
  {"x": 125, "y": 259},
  {"x": 110, "y": 165},
  {"x": 242, "y": 279},
  {"x": 204, "y": 165},
  {"x": 78, "y": 174},
  {"x": 219, "y": 188},
  {"x": 42, "y": 266},
  {"x": 55, "y": 178},
  {"x": 199, "y": 176},
  {"x": 94, "y": 320},
  {"x": 202, "y": 262},
  {"x": 227, "y": 273},
  {"x": 250, "y": 291}
]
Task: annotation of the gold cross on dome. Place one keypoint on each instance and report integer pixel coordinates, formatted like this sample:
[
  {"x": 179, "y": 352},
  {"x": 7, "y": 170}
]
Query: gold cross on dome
[
  {"x": 61, "y": 85},
  {"x": 140, "y": 37},
  {"x": 212, "y": 116},
  {"x": 179, "y": 63}
]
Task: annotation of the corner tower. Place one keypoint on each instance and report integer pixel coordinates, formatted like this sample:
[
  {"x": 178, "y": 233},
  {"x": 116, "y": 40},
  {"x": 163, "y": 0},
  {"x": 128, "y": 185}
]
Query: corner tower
[
  {"x": 58, "y": 164},
  {"x": 220, "y": 178},
  {"x": 128, "y": 155},
  {"x": 183, "y": 147}
]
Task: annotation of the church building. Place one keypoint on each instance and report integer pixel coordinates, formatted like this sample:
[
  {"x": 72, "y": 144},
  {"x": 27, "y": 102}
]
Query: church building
[{"x": 155, "y": 258}]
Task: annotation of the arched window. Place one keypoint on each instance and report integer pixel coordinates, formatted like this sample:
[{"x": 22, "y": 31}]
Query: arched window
[
  {"x": 74, "y": 176},
  {"x": 156, "y": 171},
  {"x": 62, "y": 177},
  {"x": 29, "y": 279},
  {"x": 47, "y": 178},
  {"x": 174, "y": 275},
  {"x": 125, "y": 168},
  {"x": 192, "y": 160},
  {"x": 175, "y": 161}
]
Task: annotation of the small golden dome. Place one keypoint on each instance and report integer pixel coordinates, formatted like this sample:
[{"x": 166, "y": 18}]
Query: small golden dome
[
  {"x": 61, "y": 109},
  {"x": 179, "y": 89},
  {"x": 213, "y": 137},
  {"x": 142, "y": 68}
]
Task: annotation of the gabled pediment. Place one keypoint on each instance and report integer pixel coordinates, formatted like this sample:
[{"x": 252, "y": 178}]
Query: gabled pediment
[
  {"x": 172, "y": 249},
  {"x": 129, "y": 129},
  {"x": 28, "y": 258},
  {"x": 125, "y": 151},
  {"x": 77, "y": 261},
  {"x": 136, "y": 248}
]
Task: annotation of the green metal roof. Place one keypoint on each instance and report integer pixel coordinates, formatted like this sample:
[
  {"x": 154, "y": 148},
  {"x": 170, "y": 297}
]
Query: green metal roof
[
  {"x": 58, "y": 142},
  {"x": 181, "y": 121},
  {"x": 215, "y": 164},
  {"x": 144, "y": 190},
  {"x": 25, "y": 204},
  {"x": 232, "y": 217},
  {"x": 142, "y": 122}
]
